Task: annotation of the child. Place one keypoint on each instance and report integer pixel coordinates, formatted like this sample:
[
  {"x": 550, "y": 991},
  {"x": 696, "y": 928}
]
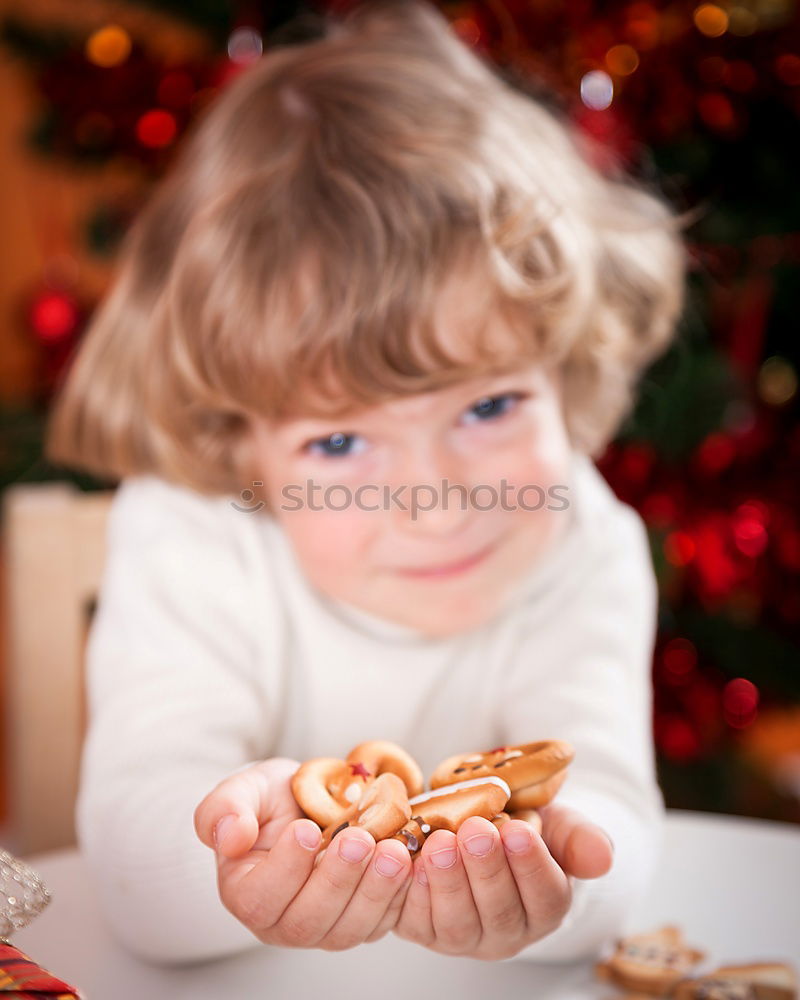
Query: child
[{"x": 363, "y": 343}]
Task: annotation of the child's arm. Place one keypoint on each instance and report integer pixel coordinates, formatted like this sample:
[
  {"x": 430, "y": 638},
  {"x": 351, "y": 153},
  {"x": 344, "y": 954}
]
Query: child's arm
[
  {"x": 581, "y": 673},
  {"x": 590, "y": 684},
  {"x": 175, "y": 705}
]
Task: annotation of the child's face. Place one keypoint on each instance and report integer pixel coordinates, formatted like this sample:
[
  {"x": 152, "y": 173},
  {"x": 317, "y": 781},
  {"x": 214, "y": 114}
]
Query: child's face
[{"x": 438, "y": 570}]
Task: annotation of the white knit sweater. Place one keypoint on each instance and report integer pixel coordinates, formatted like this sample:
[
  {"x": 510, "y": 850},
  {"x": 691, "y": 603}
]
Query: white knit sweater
[{"x": 209, "y": 649}]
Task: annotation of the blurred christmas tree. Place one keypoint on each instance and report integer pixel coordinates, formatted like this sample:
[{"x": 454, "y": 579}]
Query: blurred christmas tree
[{"x": 702, "y": 103}]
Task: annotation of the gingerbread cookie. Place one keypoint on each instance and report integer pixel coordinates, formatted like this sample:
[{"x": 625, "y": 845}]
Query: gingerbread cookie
[
  {"x": 650, "y": 963},
  {"x": 757, "y": 981},
  {"x": 533, "y": 771},
  {"x": 325, "y": 788},
  {"x": 448, "y": 807}
]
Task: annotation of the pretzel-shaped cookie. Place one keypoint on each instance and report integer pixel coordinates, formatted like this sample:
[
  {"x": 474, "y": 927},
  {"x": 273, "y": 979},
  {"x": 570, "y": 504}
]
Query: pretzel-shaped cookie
[
  {"x": 379, "y": 756},
  {"x": 533, "y": 771},
  {"x": 447, "y": 808},
  {"x": 382, "y": 809},
  {"x": 325, "y": 788}
]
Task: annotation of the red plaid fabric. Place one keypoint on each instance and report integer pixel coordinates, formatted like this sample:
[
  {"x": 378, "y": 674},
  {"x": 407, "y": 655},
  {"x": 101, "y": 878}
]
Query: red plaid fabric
[{"x": 20, "y": 977}]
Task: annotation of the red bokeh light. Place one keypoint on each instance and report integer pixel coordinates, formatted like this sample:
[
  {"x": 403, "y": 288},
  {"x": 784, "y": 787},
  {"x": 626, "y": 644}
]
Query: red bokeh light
[
  {"x": 156, "y": 128},
  {"x": 679, "y": 657},
  {"x": 53, "y": 316},
  {"x": 740, "y": 702},
  {"x": 679, "y": 548}
]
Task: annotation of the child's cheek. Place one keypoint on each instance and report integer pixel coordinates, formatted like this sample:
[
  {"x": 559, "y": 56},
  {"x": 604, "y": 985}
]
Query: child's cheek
[{"x": 330, "y": 541}]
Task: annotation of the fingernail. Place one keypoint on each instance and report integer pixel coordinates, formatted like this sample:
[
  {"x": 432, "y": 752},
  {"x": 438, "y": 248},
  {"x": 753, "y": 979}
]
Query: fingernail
[
  {"x": 479, "y": 845},
  {"x": 610, "y": 842},
  {"x": 353, "y": 849},
  {"x": 223, "y": 828},
  {"x": 387, "y": 866},
  {"x": 445, "y": 858},
  {"x": 307, "y": 836},
  {"x": 518, "y": 841}
]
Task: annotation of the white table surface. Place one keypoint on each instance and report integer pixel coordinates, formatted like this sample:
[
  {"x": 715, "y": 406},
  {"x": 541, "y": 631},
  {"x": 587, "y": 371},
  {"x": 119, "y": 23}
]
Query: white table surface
[{"x": 732, "y": 884}]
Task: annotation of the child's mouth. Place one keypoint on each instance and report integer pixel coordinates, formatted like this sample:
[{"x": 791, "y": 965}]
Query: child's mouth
[{"x": 450, "y": 569}]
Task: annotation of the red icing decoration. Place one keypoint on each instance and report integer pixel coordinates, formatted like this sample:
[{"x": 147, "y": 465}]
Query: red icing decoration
[
  {"x": 360, "y": 770},
  {"x": 498, "y": 750}
]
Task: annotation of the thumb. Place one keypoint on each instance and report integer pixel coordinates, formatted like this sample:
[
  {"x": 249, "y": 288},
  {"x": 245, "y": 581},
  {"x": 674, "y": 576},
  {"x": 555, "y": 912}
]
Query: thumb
[
  {"x": 579, "y": 846},
  {"x": 284, "y": 807},
  {"x": 230, "y": 817}
]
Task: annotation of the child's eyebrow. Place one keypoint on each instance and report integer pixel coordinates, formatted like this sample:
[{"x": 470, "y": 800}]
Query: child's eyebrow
[
  {"x": 308, "y": 428},
  {"x": 464, "y": 392}
]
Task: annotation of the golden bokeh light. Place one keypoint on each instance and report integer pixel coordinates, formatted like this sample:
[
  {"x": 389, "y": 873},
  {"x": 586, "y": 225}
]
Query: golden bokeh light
[
  {"x": 622, "y": 60},
  {"x": 711, "y": 20},
  {"x": 108, "y": 46}
]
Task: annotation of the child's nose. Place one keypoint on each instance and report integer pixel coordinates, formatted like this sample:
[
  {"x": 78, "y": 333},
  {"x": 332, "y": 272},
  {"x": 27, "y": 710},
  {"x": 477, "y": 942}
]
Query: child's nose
[
  {"x": 425, "y": 465},
  {"x": 433, "y": 485}
]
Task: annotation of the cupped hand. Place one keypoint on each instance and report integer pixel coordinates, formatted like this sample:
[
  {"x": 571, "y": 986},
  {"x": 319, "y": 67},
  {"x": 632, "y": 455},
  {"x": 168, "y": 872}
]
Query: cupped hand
[
  {"x": 488, "y": 892},
  {"x": 273, "y": 878}
]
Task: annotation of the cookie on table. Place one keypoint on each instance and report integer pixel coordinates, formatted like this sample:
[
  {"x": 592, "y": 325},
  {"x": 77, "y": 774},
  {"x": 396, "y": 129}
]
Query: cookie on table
[
  {"x": 756, "y": 981},
  {"x": 652, "y": 963}
]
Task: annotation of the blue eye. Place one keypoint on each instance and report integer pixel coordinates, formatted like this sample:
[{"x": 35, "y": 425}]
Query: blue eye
[
  {"x": 335, "y": 445},
  {"x": 491, "y": 407}
]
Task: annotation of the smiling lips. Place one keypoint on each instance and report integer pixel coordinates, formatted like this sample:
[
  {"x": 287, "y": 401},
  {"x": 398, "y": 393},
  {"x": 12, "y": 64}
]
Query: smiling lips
[{"x": 451, "y": 569}]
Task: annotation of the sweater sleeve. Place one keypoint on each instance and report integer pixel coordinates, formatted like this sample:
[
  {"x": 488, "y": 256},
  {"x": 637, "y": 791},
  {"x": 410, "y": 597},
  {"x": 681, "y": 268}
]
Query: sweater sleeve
[
  {"x": 583, "y": 674},
  {"x": 174, "y": 707}
]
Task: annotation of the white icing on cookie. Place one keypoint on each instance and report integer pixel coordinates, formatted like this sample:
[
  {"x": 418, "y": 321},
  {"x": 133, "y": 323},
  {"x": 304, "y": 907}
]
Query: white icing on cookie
[{"x": 447, "y": 789}]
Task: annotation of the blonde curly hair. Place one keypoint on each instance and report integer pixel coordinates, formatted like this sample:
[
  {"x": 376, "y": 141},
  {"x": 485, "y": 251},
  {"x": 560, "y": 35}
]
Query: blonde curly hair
[{"x": 290, "y": 261}]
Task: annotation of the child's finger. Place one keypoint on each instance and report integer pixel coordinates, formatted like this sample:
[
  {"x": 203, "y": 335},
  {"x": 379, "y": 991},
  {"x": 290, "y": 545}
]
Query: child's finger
[
  {"x": 543, "y": 887},
  {"x": 373, "y": 896},
  {"x": 492, "y": 883},
  {"x": 258, "y": 889},
  {"x": 392, "y": 915},
  {"x": 580, "y": 847},
  {"x": 415, "y": 922},
  {"x": 317, "y": 908},
  {"x": 456, "y": 922}
]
